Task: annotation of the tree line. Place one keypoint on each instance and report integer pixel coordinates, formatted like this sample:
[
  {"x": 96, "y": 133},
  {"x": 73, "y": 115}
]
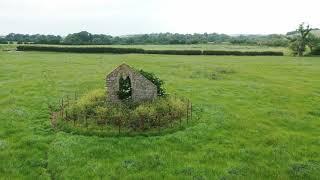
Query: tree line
[{"x": 86, "y": 38}]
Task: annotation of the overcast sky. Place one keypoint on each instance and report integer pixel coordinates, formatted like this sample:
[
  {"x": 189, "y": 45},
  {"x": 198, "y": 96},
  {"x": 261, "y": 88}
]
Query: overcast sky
[{"x": 122, "y": 17}]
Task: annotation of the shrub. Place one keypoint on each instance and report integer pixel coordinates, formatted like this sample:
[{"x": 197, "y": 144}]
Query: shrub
[
  {"x": 144, "y": 117},
  {"x": 102, "y": 113},
  {"x": 118, "y": 115},
  {"x": 88, "y": 103},
  {"x": 177, "y": 107},
  {"x": 156, "y": 81},
  {"x": 147, "y": 115},
  {"x": 316, "y": 50},
  {"x": 3, "y": 41},
  {"x": 125, "y": 90}
]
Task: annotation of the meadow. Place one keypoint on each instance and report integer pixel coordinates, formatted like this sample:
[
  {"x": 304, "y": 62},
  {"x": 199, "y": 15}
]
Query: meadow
[{"x": 260, "y": 118}]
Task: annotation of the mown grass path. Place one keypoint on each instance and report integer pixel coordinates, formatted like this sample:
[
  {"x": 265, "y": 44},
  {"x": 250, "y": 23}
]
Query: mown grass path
[{"x": 260, "y": 119}]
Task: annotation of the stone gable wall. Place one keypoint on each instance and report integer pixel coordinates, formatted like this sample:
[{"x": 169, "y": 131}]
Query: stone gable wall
[{"x": 142, "y": 88}]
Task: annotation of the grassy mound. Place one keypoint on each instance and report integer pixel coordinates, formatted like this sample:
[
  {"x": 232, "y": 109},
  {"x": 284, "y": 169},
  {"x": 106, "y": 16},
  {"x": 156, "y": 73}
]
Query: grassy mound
[{"x": 93, "y": 112}]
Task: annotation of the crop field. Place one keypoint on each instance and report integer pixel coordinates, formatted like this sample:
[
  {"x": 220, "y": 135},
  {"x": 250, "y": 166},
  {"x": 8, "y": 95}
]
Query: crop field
[{"x": 260, "y": 118}]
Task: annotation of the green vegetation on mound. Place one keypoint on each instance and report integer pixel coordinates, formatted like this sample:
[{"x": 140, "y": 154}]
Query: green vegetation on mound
[{"x": 93, "y": 112}]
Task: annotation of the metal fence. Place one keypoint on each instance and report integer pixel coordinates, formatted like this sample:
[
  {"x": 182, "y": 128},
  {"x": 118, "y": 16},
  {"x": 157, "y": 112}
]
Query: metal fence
[{"x": 59, "y": 112}]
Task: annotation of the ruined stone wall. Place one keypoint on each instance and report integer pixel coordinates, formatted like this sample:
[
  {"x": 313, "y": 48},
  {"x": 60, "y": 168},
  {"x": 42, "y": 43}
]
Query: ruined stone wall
[{"x": 142, "y": 88}]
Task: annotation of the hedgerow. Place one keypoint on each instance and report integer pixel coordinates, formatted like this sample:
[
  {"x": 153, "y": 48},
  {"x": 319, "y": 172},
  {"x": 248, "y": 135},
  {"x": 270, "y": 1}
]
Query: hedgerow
[
  {"x": 174, "y": 52},
  {"x": 87, "y": 49},
  {"x": 316, "y": 50},
  {"x": 243, "y": 53},
  {"x": 81, "y": 49}
]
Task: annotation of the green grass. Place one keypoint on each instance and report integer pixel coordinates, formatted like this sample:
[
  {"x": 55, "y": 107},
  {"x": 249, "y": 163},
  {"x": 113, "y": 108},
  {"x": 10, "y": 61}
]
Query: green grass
[{"x": 260, "y": 119}]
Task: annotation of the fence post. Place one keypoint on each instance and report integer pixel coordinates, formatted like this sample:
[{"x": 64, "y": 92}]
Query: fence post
[
  {"x": 66, "y": 105},
  {"x": 119, "y": 125},
  {"x": 62, "y": 108},
  {"x": 142, "y": 124},
  {"x": 85, "y": 116},
  {"x": 159, "y": 124},
  {"x": 188, "y": 111},
  {"x": 51, "y": 113},
  {"x": 171, "y": 121},
  {"x": 67, "y": 102},
  {"x": 76, "y": 118},
  {"x": 59, "y": 105}
]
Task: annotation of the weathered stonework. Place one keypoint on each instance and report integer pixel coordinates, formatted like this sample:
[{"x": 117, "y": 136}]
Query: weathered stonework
[{"x": 142, "y": 88}]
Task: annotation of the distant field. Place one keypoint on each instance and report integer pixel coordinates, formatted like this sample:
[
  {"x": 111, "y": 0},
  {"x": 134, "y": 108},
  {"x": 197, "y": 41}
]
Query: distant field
[
  {"x": 7, "y": 47},
  {"x": 316, "y": 32},
  {"x": 260, "y": 118}
]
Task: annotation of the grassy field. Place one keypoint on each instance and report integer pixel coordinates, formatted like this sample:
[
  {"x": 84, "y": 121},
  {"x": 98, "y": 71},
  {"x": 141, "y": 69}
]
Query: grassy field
[
  {"x": 260, "y": 119},
  {"x": 7, "y": 47}
]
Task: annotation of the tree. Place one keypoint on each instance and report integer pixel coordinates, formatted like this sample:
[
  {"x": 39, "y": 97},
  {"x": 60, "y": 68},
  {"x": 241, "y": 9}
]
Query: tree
[
  {"x": 82, "y": 37},
  {"x": 299, "y": 40},
  {"x": 3, "y": 41},
  {"x": 313, "y": 41}
]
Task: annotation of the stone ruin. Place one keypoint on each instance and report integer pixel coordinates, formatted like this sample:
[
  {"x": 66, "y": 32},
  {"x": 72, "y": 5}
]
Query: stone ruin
[{"x": 141, "y": 88}]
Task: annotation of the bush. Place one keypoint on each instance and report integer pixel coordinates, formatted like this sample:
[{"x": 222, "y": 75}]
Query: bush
[
  {"x": 88, "y": 103},
  {"x": 156, "y": 81},
  {"x": 125, "y": 91},
  {"x": 145, "y": 117},
  {"x": 177, "y": 107},
  {"x": 93, "y": 107},
  {"x": 243, "y": 53},
  {"x": 316, "y": 50},
  {"x": 3, "y": 41},
  {"x": 101, "y": 113}
]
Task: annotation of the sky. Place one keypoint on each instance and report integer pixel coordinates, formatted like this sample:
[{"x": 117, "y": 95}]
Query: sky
[{"x": 124, "y": 17}]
